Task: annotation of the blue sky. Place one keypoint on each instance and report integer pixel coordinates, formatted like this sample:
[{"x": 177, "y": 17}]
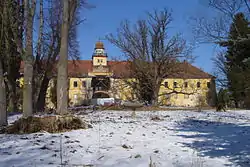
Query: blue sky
[{"x": 106, "y": 17}]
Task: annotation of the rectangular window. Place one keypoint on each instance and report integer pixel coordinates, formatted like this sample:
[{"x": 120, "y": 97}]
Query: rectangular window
[
  {"x": 166, "y": 84},
  {"x": 185, "y": 84},
  {"x": 175, "y": 84},
  {"x": 83, "y": 84},
  {"x": 198, "y": 84},
  {"x": 75, "y": 84},
  {"x": 208, "y": 84}
]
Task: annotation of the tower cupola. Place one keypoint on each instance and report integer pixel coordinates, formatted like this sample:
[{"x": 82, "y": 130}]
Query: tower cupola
[
  {"x": 99, "y": 57},
  {"x": 99, "y": 50}
]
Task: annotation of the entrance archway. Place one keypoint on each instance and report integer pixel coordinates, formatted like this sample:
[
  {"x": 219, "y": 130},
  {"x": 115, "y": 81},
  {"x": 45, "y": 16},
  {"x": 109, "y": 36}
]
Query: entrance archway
[{"x": 100, "y": 94}]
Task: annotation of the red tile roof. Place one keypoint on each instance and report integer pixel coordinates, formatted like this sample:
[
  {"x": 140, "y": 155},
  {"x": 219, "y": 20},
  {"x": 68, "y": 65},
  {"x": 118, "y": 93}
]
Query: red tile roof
[{"x": 81, "y": 68}]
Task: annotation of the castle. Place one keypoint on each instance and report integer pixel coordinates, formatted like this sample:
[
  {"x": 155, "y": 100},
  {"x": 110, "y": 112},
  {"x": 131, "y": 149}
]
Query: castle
[{"x": 101, "y": 78}]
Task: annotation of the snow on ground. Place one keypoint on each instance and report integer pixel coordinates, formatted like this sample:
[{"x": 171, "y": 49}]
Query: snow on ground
[{"x": 182, "y": 138}]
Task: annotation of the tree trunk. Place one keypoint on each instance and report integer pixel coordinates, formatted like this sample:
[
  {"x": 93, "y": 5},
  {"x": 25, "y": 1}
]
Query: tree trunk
[
  {"x": 40, "y": 104},
  {"x": 3, "y": 112},
  {"x": 12, "y": 105},
  {"x": 155, "y": 97},
  {"x": 156, "y": 89},
  {"x": 28, "y": 60},
  {"x": 62, "y": 73}
]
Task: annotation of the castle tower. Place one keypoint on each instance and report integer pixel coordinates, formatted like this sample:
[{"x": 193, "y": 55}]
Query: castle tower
[{"x": 99, "y": 57}]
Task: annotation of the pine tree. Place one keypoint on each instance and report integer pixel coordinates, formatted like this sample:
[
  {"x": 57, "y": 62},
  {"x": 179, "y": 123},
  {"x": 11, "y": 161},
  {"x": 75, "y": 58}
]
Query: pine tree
[{"x": 237, "y": 60}]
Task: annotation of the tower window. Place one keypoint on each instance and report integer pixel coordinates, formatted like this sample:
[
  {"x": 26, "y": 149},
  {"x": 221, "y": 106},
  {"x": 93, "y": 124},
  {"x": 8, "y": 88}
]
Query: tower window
[
  {"x": 75, "y": 84},
  {"x": 198, "y": 84},
  {"x": 175, "y": 84},
  {"x": 208, "y": 85},
  {"x": 166, "y": 84},
  {"x": 185, "y": 84}
]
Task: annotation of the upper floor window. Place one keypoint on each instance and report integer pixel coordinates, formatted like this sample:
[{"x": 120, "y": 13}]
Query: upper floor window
[
  {"x": 83, "y": 84},
  {"x": 175, "y": 84},
  {"x": 166, "y": 84},
  {"x": 208, "y": 85},
  {"x": 75, "y": 84},
  {"x": 185, "y": 84},
  {"x": 198, "y": 84}
]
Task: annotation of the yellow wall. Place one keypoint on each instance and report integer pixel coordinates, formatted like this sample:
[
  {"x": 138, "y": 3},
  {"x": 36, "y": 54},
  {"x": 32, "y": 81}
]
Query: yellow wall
[
  {"x": 79, "y": 93},
  {"x": 120, "y": 90},
  {"x": 190, "y": 96}
]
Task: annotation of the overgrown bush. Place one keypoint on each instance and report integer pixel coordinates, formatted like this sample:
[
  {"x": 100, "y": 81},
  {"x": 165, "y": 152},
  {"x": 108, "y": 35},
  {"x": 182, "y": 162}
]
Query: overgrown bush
[
  {"x": 223, "y": 99},
  {"x": 201, "y": 102},
  {"x": 51, "y": 124}
]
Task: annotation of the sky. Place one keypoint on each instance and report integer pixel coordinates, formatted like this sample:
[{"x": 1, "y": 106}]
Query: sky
[{"x": 107, "y": 15}]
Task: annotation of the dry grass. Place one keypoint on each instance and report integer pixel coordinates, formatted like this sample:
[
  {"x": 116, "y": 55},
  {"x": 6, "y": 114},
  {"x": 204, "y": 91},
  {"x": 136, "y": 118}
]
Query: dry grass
[{"x": 51, "y": 124}]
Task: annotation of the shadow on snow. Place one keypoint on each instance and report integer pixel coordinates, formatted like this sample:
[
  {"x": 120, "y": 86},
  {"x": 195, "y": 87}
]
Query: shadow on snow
[{"x": 218, "y": 139}]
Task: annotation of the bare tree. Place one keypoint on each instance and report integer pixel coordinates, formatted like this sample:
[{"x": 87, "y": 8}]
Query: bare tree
[
  {"x": 44, "y": 67},
  {"x": 215, "y": 29},
  {"x": 11, "y": 48},
  {"x": 3, "y": 111},
  {"x": 30, "y": 7},
  {"x": 220, "y": 69},
  {"x": 62, "y": 73},
  {"x": 152, "y": 53},
  {"x": 10, "y": 53}
]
